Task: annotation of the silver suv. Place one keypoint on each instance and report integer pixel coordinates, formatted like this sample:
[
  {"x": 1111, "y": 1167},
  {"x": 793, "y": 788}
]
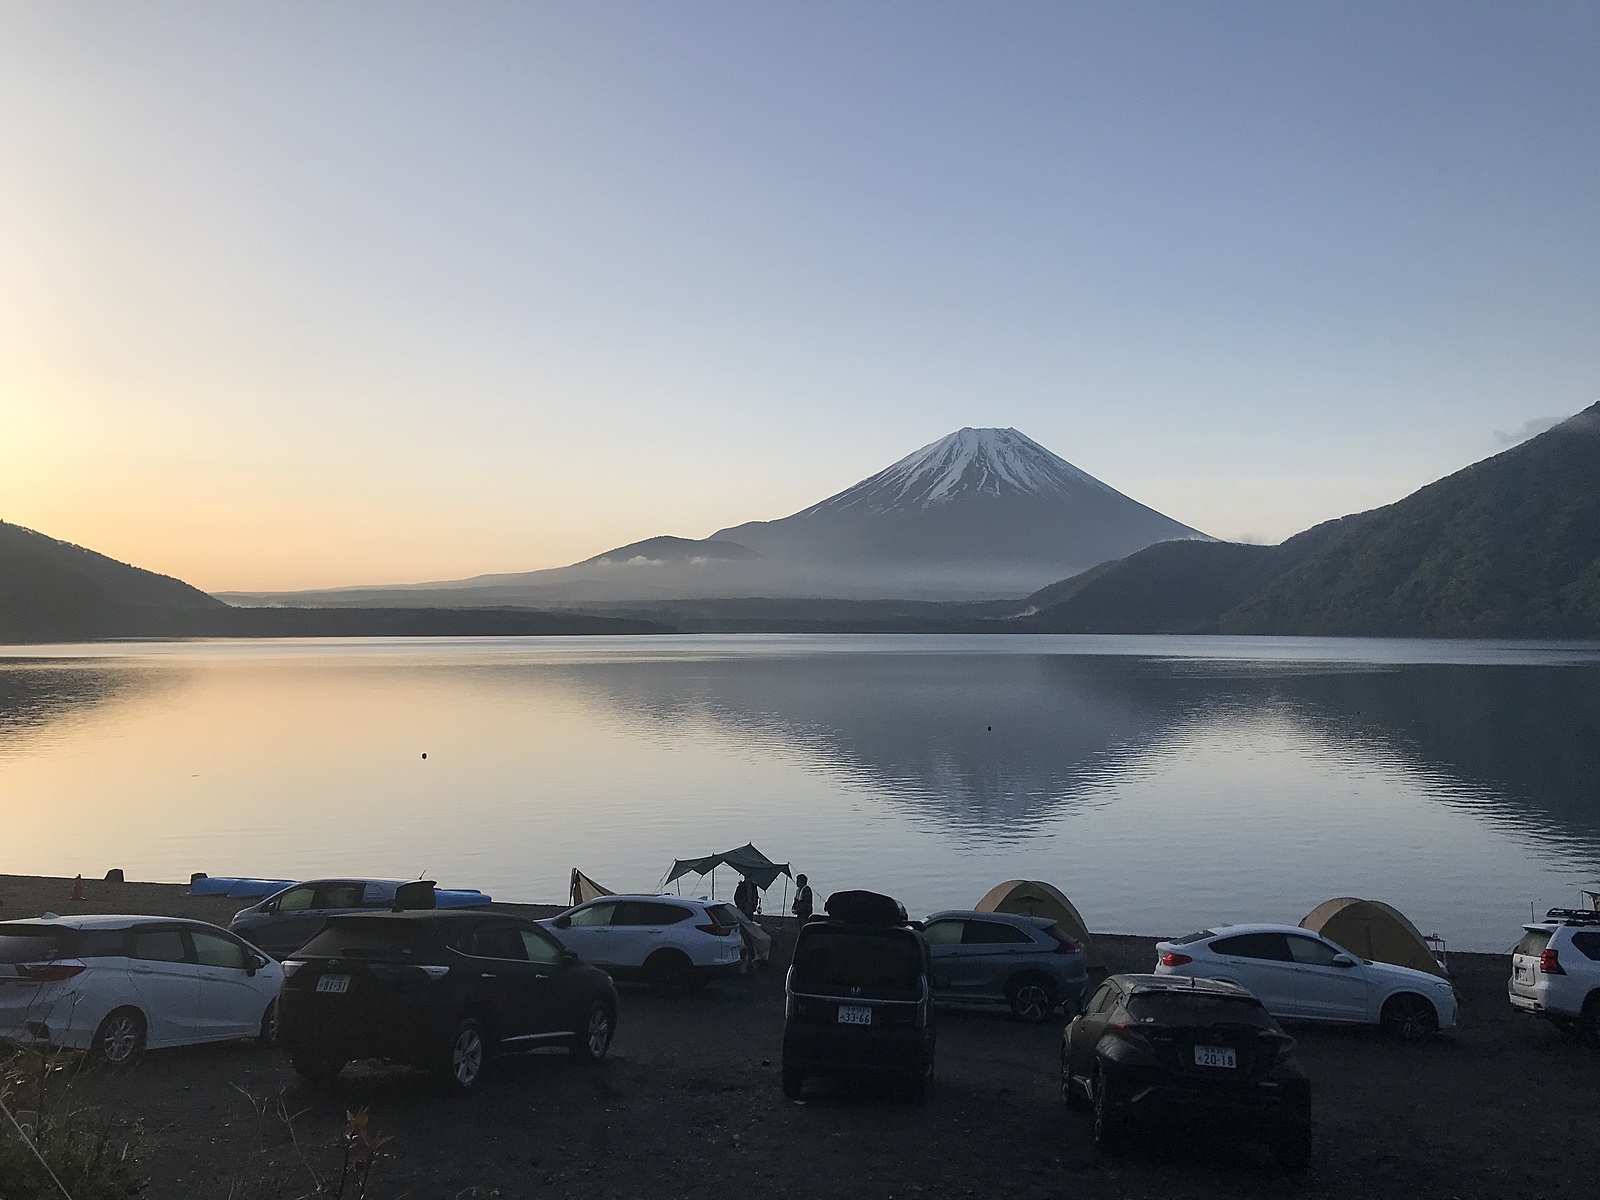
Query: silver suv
[
  {"x": 1555, "y": 971},
  {"x": 1026, "y": 962}
]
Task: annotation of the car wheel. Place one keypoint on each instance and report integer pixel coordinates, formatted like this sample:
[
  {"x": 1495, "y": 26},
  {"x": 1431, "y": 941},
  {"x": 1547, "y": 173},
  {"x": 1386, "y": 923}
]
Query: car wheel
[
  {"x": 669, "y": 972},
  {"x": 1071, "y": 1094},
  {"x": 1409, "y": 1017},
  {"x": 593, "y": 1037},
  {"x": 1291, "y": 1146},
  {"x": 319, "y": 1073},
  {"x": 793, "y": 1082},
  {"x": 1109, "y": 1135},
  {"x": 466, "y": 1054},
  {"x": 1031, "y": 999},
  {"x": 268, "y": 1035},
  {"x": 1587, "y": 1027},
  {"x": 120, "y": 1039}
]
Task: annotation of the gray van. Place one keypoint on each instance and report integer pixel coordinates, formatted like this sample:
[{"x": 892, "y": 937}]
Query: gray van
[{"x": 287, "y": 920}]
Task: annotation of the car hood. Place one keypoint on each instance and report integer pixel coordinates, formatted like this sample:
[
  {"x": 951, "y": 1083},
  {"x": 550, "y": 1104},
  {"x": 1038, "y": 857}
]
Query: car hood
[{"x": 1390, "y": 973}]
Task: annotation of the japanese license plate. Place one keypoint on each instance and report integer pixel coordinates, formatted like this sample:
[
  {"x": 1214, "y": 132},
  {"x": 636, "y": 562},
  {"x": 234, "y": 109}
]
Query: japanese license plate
[
  {"x": 855, "y": 1014},
  {"x": 338, "y": 984},
  {"x": 1215, "y": 1056}
]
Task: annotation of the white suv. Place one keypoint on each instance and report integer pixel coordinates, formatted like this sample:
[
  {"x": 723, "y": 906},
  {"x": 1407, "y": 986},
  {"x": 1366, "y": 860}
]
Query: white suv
[
  {"x": 1555, "y": 971},
  {"x": 1301, "y": 976},
  {"x": 666, "y": 941}
]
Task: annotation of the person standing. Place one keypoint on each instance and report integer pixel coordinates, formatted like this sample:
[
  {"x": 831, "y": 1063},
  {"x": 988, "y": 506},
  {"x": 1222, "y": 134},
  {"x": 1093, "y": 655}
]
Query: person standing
[
  {"x": 747, "y": 897},
  {"x": 802, "y": 905}
]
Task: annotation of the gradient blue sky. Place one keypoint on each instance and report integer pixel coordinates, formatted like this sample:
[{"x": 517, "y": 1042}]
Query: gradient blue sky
[{"x": 306, "y": 294}]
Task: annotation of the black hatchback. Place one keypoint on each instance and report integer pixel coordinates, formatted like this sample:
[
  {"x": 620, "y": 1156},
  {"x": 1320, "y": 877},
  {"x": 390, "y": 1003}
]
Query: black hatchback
[
  {"x": 858, "y": 999},
  {"x": 445, "y": 991},
  {"x": 1196, "y": 1052}
]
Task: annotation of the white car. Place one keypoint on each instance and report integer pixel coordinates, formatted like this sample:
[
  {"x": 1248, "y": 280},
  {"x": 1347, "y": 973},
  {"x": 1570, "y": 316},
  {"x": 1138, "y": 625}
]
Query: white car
[
  {"x": 1301, "y": 976},
  {"x": 117, "y": 985},
  {"x": 666, "y": 941},
  {"x": 1555, "y": 971}
]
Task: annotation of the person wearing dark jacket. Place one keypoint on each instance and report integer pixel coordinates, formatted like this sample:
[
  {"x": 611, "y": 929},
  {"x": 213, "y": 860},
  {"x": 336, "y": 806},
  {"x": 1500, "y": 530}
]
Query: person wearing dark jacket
[
  {"x": 802, "y": 905},
  {"x": 747, "y": 897}
]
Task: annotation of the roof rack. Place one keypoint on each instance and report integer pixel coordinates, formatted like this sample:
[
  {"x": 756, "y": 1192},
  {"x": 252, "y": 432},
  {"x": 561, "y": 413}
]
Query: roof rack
[{"x": 1574, "y": 916}]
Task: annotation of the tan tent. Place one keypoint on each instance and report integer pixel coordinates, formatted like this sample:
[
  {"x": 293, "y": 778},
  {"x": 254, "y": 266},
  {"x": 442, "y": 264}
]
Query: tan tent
[
  {"x": 1042, "y": 900},
  {"x": 583, "y": 889},
  {"x": 1373, "y": 930}
]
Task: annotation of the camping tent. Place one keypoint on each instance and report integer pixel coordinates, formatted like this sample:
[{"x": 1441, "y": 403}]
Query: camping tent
[
  {"x": 1042, "y": 900},
  {"x": 583, "y": 889},
  {"x": 1375, "y": 930},
  {"x": 746, "y": 861}
]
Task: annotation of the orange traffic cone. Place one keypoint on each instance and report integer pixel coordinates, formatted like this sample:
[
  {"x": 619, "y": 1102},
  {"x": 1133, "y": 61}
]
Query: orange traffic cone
[{"x": 77, "y": 888}]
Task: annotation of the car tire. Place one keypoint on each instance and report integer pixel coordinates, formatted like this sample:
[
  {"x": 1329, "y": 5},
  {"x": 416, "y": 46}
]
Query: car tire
[
  {"x": 1071, "y": 1094},
  {"x": 319, "y": 1073},
  {"x": 119, "y": 1041},
  {"x": 794, "y": 1083},
  {"x": 1587, "y": 1026},
  {"x": 1110, "y": 1132},
  {"x": 1291, "y": 1146},
  {"x": 1032, "y": 999},
  {"x": 464, "y": 1056},
  {"x": 1409, "y": 1017},
  {"x": 592, "y": 1038},
  {"x": 669, "y": 972},
  {"x": 918, "y": 1085},
  {"x": 268, "y": 1033}
]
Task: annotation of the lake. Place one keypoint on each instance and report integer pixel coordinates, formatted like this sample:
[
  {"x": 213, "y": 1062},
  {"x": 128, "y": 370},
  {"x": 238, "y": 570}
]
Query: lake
[{"x": 1165, "y": 783}]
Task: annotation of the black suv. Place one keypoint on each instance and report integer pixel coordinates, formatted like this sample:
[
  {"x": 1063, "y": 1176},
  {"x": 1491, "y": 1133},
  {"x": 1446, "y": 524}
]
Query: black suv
[
  {"x": 1192, "y": 1051},
  {"x": 858, "y": 1000},
  {"x": 440, "y": 990}
]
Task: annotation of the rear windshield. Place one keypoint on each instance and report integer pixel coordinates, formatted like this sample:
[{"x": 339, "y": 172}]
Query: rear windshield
[
  {"x": 1197, "y": 1008},
  {"x": 722, "y": 914},
  {"x": 34, "y": 943},
  {"x": 1533, "y": 942},
  {"x": 1194, "y": 937},
  {"x": 369, "y": 937},
  {"x": 828, "y": 959}
]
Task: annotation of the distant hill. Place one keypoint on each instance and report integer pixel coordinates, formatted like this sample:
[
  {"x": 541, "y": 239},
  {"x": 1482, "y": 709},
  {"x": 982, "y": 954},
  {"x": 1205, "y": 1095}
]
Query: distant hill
[{"x": 1509, "y": 546}]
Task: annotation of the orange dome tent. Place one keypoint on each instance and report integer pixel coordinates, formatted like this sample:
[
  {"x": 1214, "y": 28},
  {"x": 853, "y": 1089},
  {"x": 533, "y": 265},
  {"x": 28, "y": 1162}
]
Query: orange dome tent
[
  {"x": 1373, "y": 930},
  {"x": 1042, "y": 900}
]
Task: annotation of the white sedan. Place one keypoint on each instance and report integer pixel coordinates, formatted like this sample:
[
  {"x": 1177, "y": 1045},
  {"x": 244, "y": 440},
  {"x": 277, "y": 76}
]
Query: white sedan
[
  {"x": 116, "y": 985},
  {"x": 1300, "y": 976}
]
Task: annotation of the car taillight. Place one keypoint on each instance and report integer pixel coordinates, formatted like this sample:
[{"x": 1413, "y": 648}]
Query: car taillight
[
  {"x": 716, "y": 929},
  {"x": 1133, "y": 1035},
  {"x": 1550, "y": 962},
  {"x": 53, "y": 972},
  {"x": 290, "y": 966},
  {"x": 1064, "y": 944},
  {"x": 1282, "y": 1044},
  {"x": 1173, "y": 959}
]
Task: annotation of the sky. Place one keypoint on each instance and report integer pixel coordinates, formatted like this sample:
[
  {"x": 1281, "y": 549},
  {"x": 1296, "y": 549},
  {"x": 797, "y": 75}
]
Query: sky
[{"x": 307, "y": 294}]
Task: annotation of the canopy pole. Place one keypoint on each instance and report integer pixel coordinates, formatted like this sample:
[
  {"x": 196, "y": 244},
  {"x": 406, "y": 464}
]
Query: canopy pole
[{"x": 785, "y": 893}]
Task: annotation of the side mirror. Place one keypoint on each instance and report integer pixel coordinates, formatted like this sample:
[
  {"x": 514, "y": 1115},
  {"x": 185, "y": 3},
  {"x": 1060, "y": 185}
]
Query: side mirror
[
  {"x": 1343, "y": 960},
  {"x": 254, "y": 962},
  {"x": 569, "y": 959},
  {"x": 562, "y": 921}
]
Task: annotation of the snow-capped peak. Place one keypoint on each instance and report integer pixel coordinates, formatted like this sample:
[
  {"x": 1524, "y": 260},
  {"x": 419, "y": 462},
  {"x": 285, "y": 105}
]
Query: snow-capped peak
[{"x": 969, "y": 462}]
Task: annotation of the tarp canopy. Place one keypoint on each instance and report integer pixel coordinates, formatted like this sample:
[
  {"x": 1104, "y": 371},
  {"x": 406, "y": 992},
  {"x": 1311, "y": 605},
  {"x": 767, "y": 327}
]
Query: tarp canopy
[
  {"x": 583, "y": 889},
  {"x": 1037, "y": 899},
  {"x": 746, "y": 860},
  {"x": 1375, "y": 930}
]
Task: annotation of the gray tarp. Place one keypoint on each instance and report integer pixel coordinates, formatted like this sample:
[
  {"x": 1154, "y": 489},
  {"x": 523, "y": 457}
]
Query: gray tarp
[{"x": 746, "y": 861}]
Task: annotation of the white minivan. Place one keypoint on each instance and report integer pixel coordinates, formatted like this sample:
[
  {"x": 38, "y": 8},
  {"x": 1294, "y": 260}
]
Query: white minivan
[{"x": 117, "y": 985}]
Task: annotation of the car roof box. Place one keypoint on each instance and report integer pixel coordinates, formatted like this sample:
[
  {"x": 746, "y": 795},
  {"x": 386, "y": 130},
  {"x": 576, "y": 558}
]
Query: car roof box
[
  {"x": 414, "y": 895},
  {"x": 865, "y": 908}
]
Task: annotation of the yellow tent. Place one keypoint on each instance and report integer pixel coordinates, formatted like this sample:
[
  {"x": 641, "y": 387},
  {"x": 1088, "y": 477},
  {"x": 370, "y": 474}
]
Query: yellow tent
[
  {"x": 1373, "y": 930},
  {"x": 1042, "y": 900}
]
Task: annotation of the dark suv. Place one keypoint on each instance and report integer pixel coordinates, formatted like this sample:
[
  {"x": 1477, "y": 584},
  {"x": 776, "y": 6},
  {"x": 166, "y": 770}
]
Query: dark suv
[
  {"x": 1190, "y": 1051},
  {"x": 858, "y": 1000},
  {"x": 445, "y": 991}
]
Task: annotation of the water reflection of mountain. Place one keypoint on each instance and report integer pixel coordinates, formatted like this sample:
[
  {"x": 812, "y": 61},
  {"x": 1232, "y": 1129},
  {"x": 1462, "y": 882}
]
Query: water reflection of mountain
[
  {"x": 36, "y": 695},
  {"x": 995, "y": 744}
]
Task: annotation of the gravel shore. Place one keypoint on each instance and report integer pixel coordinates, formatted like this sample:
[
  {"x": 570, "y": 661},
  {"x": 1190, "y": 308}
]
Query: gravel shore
[{"x": 688, "y": 1105}]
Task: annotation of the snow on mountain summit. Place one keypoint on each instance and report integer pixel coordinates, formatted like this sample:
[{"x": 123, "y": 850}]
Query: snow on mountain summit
[{"x": 967, "y": 463}]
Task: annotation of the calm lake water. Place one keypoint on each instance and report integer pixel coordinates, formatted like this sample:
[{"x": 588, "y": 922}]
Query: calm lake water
[{"x": 1165, "y": 783}]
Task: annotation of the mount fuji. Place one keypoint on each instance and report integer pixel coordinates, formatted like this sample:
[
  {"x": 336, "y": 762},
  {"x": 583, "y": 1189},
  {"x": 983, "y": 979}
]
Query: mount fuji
[{"x": 980, "y": 514}]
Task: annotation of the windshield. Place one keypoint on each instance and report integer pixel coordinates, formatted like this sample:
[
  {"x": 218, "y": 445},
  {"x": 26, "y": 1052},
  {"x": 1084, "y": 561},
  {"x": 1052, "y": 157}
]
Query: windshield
[
  {"x": 1197, "y": 1008},
  {"x": 33, "y": 943},
  {"x": 365, "y": 937},
  {"x": 835, "y": 961}
]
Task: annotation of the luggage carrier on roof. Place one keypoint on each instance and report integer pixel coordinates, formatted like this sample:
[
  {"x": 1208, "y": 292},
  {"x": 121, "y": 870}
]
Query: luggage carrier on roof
[{"x": 1574, "y": 916}]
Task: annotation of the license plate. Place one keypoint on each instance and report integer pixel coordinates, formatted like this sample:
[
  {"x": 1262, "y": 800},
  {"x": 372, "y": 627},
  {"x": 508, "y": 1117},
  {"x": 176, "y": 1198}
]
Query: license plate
[
  {"x": 1215, "y": 1056},
  {"x": 337, "y": 984},
  {"x": 855, "y": 1014}
]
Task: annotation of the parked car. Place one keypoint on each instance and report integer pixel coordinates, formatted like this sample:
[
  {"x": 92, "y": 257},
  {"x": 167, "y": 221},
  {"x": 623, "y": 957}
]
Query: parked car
[
  {"x": 285, "y": 920},
  {"x": 858, "y": 1000},
  {"x": 1026, "y": 962},
  {"x": 118, "y": 985},
  {"x": 1301, "y": 976},
  {"x": 1195, "y": 1052},
  {"x": 667, "y": 941},
  {"x": 441, "y": 990},
  {"x": 1555, "y": 971}
]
